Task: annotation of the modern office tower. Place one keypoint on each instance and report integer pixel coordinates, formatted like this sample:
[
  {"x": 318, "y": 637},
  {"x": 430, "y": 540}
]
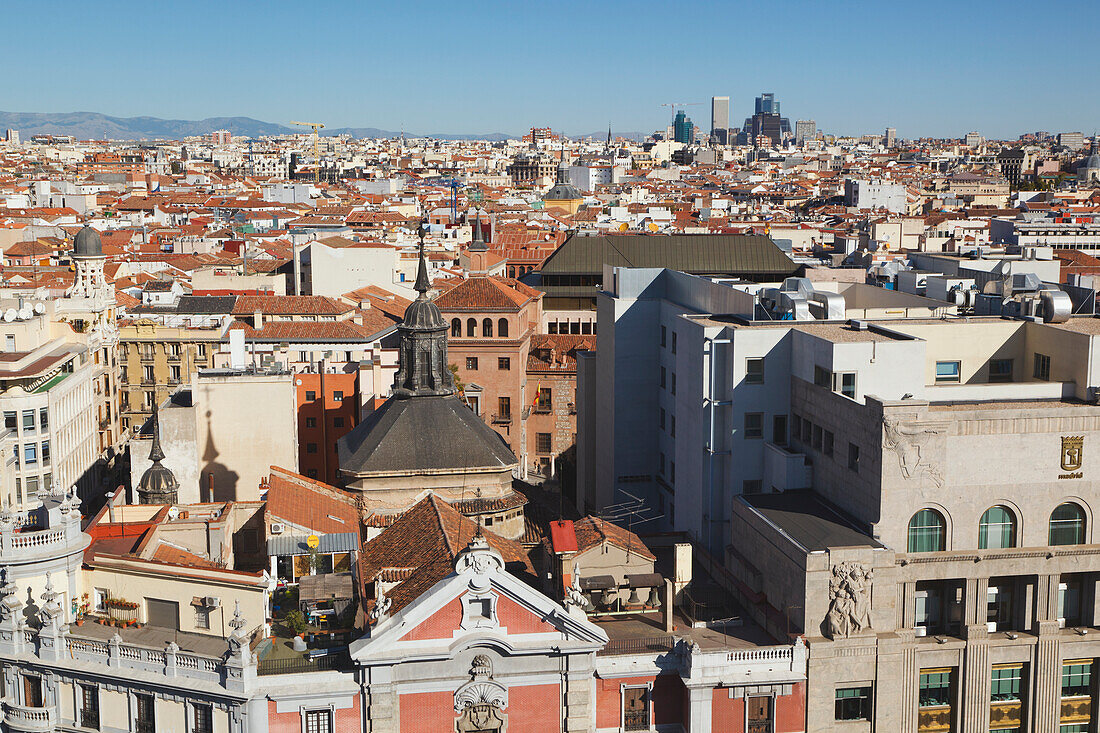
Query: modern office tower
[
  {"x": 1072, "y": 140},
  {"x": 683, "y": 130},
  {"x": 719, "y": 113},
  {"x": 766, "y": 104},
  {"x": 804, "y": 130},
  {"x": 972, "y": 140},
  {"x": 891, "y": 137},
  {"x": 12, "y": 137}
]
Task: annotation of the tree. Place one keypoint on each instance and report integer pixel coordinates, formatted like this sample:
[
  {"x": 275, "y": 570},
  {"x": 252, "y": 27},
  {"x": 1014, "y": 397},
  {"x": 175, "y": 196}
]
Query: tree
[{"x": 459, "y": 386}]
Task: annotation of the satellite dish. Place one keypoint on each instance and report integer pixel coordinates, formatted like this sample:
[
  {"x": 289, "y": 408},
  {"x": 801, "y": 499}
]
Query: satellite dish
[
  {"x": 25, "y": 313},
  {"x": 9, "y": 315},
  {"x": 623, "y": 227},
  {"x": 39, "y": 308}
]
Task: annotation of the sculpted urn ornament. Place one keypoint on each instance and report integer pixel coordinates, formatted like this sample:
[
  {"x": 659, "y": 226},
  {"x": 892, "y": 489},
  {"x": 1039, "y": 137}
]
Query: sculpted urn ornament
[
  {"x": 480, "y": 703},
  {"x": 849, "y": 600}
]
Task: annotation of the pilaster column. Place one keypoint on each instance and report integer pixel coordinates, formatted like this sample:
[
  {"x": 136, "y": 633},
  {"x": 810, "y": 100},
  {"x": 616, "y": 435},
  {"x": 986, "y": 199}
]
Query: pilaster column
[
  {"x": 1047, "y": 674},
  {"x": 700, "y": 705},
  {"x": 975, "y": 669}
]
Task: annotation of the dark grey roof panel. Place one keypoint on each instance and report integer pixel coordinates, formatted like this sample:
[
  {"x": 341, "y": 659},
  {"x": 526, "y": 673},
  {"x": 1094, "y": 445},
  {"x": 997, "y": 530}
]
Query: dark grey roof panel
[
  {"x": 698, "y": 254},
  {"x": 422, "y": 434},
  {"x": 809, "y": 520}
]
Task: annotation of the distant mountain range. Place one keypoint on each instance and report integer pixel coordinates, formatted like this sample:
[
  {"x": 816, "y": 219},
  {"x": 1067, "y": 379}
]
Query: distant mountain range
[{"x": 93, "y": 125}]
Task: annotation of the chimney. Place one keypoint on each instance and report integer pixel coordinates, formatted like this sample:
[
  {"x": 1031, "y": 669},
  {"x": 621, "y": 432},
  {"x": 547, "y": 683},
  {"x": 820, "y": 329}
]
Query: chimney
[{"x": 258, "y": 319}]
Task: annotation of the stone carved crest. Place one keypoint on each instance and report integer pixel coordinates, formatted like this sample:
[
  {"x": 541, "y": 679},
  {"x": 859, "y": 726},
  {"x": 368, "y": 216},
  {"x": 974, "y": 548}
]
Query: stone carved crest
[
  {"x": 478, "y": 560},
  {"x": 1073, "y": 452},
  {"x": 849, "y": 600},
  {"x": 905, "y": 440},
  {"x": 480, "y": 703}
]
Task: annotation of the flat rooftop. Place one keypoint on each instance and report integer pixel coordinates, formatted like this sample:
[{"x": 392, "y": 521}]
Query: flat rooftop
[{"x": 808, "y": 520}]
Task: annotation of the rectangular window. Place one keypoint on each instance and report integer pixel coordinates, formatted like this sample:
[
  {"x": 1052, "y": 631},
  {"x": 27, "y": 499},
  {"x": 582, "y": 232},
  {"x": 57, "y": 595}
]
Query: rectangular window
[
  {"x": 672, "y": 430},
  {"x": 89, "y": 707},
  {"x": 934, "y": 688},
  {"x": 32, "y": 691},
  {"x": 337, "y": 422},
  {"x": 310, "y": 395},
  {"x": 754, "y": 425},
  {"x": 853, "y": 703},
  {"x": 661, "y": 464},
  {"x": 175, "y": 373},
  {"x": 30, "y": 453},
  {"x": 673, "y": 342},
  {"x": 661, "y": 418},
  {"x": 664, "y": 332},
  {"x": 18, "y": 491},
  {"x": 999, "y": 614},
  {"x": 948, "y": 371},
  {"x": 337, "y": 396},
  {"x": 47, "y": 482},
  {"x": 662, "y": 377},
  {"x": 146, "y": 716},
  {"x": 779, "y": 429},
  {"x": 754, "y": 371},
  {"x": 823, "y": 377},
  {"x": 672, "y": 472},
  {"x": 45, "y": 452},
  {"x": 827, "y": 443},
  {"x": 542, "y": 442},
  {"x": 504, "y": 405},
  {"x": 318, "y": 721},
  {"x": 504, "y": 363},
  {"x": 544, "y": 401},
  {"x": 1000, "y": 370},
  {"x": 1077, "y": 678},
  {"x": 149, "y": 374},
  {"x": 202, "y": 718},
  {"x": 1005, "y": 682},
  {"x": 202, "y": 617},
  {"x": 471, "y": 363},
  {"x": 1042, "y": 367},
  {"x": 44, "y": 418},
  {"x": 853, "y": 457},
  {"x": 10, "y": 420},
  {"x": 1069, "y": 601},
  {"x": 845, "y": 384},
  {"x": 636, "y": 708},
  {"x": 28, "y": 421},
  {"x": 32, "y": 486},
  {"x": 311, "y": 447},
  {"x": 817, "y": 438},
  {"x": 674, "y": 383},
  {"x": 311, "y": 422}
]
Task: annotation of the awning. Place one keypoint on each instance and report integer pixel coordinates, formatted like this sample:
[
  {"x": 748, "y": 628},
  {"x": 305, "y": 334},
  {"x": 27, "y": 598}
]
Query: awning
[{"x": 284, "y": 545}]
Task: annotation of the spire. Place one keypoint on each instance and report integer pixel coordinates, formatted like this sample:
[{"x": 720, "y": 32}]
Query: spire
[
  {"x": 423, "y": 285},
  {"x": 156, "y": 454},
  {"x": 609, "y": 136},
  {"x": 478, "y": 243}
]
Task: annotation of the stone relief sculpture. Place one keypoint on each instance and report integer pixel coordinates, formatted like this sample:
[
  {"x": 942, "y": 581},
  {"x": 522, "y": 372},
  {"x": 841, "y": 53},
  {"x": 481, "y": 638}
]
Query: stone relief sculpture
[
  {"x": 849, "y": 600},
  {"x": 480, "y": 703},
  {"x": 904, "y": 439}
]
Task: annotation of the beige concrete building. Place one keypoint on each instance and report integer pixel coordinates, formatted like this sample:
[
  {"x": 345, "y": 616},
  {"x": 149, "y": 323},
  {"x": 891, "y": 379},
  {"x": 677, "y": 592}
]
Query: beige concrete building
[{"x": 915, "y": 496}]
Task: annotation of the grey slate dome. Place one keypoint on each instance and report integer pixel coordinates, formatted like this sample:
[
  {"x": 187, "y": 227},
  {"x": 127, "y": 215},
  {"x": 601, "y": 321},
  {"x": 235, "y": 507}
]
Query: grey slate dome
[
  {"x": 88, "y": 243},
  {"x": 158, "y": 484},
  {"x": 423, "y": 315}
]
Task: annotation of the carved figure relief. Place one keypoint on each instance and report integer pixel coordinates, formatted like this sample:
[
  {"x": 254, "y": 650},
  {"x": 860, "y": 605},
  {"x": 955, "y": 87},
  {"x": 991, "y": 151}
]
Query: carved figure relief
[
  {"x": 849, "y": 600},
  {"x": 904, "y": 439}
]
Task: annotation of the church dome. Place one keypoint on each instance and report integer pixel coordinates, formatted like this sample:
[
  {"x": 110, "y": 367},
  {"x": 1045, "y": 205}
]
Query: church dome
[
  {"x": 158, "y": 485},
  {"x": 88, "y": 243},
  {"x": 423, "y": 314}
]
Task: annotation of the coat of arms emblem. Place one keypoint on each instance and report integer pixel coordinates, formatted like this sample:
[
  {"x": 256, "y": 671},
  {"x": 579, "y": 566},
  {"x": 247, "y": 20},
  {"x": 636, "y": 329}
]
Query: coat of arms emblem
[{"x": 1072, "y": 452}]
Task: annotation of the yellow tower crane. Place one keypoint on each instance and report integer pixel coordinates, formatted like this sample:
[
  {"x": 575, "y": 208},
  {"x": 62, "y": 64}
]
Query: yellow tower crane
[{"x": 316, "y": 150}]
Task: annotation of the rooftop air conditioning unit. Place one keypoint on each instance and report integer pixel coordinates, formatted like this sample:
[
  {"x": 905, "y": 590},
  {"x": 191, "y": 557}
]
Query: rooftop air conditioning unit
[
  {"x": 212, "y": 601},
  {"x": 277, "y": 528}
]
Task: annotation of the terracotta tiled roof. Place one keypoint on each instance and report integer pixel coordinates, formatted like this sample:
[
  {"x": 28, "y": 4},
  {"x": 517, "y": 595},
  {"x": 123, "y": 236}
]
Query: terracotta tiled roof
[
  {"x": 296, "y": 305},
  {"x": 428, "y": 537},
  {"x": 307, "y": 503},
  {"x": 176, "y": 556},
  {"x": 306, "y": 331},
  {"x": 486, "y": 293},
  {"x": 592, "y": 531}
]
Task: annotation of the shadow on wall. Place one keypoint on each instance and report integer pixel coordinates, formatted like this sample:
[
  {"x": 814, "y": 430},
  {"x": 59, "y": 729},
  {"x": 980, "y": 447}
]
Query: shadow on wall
[{"x": 219, "y": 483}]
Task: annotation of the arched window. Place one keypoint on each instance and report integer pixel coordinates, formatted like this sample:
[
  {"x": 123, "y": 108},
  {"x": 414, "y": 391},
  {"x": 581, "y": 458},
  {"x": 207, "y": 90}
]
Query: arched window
[
  {"x": 927, "y": 531},
  {"x": 1067, "y": 525},
  {"x": 471, "y": 327},
  {"x": 997, "y": 528},
  {"x": 502, "y": 328},
  {"x": 487, "y": 328},
  {"x": 456, "y": 327}
]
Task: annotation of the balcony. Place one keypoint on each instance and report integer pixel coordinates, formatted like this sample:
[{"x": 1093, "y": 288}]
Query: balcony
[
  {"x": 23, "y": 718},
  {"x": 502, "y": 419},
  {"x": 1006, "y": 714},
  {"x": 933, "y": 719},
  {"x": 1076, "y": 710},
  {"x": 542, "y": 409}
]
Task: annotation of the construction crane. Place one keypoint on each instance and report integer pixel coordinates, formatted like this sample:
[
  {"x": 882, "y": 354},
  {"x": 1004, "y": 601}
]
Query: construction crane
[
  {"x": 316, "y": 150},
  {"x": 674, "y": 105}
]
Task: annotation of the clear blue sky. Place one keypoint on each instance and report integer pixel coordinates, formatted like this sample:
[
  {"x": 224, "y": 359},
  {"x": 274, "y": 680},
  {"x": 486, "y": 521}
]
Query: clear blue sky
[{"x": 926, "y": 68}]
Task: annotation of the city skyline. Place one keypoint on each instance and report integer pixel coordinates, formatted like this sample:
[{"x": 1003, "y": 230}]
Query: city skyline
[{"x": 477, "y": 71}]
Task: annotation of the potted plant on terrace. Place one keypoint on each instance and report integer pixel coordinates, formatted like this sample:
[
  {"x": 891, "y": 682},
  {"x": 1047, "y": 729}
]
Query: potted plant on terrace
[{"x": 121, "y": 609}]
